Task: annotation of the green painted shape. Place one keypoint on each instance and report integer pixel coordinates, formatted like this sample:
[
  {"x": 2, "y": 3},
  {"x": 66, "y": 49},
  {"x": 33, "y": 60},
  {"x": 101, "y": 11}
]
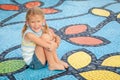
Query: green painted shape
[{"x": 11, "y": 66}]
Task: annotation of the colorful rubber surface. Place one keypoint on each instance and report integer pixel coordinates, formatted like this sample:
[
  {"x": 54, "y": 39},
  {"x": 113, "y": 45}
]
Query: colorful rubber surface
[{"x": 90, "y": 39}]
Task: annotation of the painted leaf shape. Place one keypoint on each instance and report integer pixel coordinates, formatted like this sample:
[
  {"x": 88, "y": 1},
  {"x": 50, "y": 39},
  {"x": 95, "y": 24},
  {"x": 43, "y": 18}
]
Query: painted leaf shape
[
  {"x": 9, "y": 7},
  {"x": 86, "y": 40},
  {"x": 79, "y": 59},
  {"x": 118, "y": 16},
  {"x": 100, "y": 12},
  {"x": 100, "y": 75},
  {"x": 75, "y": 29},
  {"x": 32, "y": 4},
  {"x": 113, "y": 61},
  {"x": 49, "y": 10},
  {"x": 11, "y": 66}
]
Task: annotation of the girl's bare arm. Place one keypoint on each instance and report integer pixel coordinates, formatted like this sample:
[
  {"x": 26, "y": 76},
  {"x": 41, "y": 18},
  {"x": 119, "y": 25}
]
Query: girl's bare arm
[
  {"x": 38, "y": 41},
  {"x": 57, "y": 38}
]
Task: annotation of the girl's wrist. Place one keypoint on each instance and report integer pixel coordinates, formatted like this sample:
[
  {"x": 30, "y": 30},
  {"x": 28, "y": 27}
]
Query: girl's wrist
[{"x": 48, "y": 47}]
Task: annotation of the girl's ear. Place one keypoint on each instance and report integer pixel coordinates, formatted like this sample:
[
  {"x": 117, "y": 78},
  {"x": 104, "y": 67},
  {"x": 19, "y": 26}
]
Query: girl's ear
[
  {"x": 44, "y": 22},
  {"x": 26, "y": 23}
]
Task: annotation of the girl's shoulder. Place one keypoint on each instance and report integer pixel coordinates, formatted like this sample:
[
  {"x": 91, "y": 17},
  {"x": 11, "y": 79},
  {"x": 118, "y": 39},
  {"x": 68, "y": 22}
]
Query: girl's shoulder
[{"x": 26, "y": 32}]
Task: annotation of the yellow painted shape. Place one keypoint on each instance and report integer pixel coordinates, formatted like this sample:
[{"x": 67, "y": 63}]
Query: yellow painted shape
[
  {"x": 100, "y": 75},
  {"x": 101, "y": 12},
  {"x": 118, "y": 16},
  {"x": 113, "y": 61},
  {"x": 79, "y": 59}
]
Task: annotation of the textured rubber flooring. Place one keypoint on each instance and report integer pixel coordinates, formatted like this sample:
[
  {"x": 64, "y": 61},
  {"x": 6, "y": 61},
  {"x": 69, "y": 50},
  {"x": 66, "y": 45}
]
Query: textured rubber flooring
[{"x": 90, "y": 39}]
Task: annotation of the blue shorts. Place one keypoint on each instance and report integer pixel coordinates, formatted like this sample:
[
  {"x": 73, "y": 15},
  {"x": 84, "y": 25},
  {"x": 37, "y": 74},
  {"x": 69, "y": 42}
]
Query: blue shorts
[{"x": 35, "y": 63}]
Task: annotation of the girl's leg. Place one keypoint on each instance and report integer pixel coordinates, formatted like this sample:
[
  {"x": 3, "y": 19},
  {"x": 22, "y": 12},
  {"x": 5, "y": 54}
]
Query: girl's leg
[
  {"x": 39, "y": 52},
  {"x": 60, "y": 61},
  {"x": 53, "y": 65},
  {"x": 57, "y": 59}
]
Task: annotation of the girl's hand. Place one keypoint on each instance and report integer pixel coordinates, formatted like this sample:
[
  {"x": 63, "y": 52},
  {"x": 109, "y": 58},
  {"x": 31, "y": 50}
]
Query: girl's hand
[{"x": 53, "y": 46}]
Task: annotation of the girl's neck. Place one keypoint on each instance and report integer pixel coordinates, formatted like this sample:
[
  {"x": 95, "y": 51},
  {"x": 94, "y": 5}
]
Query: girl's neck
[{"x": 33, "y": 30}]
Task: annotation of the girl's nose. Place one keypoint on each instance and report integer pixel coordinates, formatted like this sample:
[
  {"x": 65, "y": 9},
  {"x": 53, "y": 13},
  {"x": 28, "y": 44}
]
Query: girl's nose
[{"x": 36, "y": 24}]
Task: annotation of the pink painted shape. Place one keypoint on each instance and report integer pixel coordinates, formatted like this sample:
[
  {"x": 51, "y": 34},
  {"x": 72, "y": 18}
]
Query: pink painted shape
[
  {"x": 86, "y": 40},
  {"x": 49, "y": 10},
  {"x": 75, "y": 29},
  {"x": 9, "y": 7},
  {"x": 32, "y": 4}
]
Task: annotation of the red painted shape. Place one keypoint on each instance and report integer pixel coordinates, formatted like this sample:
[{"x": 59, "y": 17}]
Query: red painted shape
[
  {"x": 75, "y": 29},
  {"x": 86, "y": 40},
  {"x": 9, "y": 7},
  {"x": 32, "y": 4},
  {"x": 49, "y": 10}
]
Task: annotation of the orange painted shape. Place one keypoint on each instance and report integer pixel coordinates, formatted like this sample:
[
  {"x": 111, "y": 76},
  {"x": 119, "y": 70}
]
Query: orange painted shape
[
  {"x": 86, "y": 40},
  {"x": 9, "y": 7},
  {"x": 75, "y": 29},
  {"x": 49, "y": 10},
  {"x": 32, "y": 4}
]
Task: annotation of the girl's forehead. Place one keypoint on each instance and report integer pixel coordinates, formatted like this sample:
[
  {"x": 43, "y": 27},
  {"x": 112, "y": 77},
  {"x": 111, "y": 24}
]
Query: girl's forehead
[{"x": 34, "y": 17}]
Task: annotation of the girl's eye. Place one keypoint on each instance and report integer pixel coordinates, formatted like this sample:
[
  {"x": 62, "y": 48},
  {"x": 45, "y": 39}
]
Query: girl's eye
[{"x": 32, "y": 21}]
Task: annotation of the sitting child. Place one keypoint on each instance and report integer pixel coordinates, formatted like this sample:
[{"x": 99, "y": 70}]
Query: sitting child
[{"x": 39, "y": 43}]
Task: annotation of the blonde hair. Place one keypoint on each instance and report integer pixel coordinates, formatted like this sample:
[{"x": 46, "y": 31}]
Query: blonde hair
[{"x": 35, "y": 11}]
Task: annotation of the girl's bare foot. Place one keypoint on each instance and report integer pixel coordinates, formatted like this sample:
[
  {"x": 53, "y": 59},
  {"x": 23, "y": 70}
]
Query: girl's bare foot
[
  {"x": 64, "y": 64},
  {"x": 56, "y": 67}
]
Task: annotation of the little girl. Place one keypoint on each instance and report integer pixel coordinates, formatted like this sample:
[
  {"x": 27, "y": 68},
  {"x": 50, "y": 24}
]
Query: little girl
[{"x": 39, "y": 43}]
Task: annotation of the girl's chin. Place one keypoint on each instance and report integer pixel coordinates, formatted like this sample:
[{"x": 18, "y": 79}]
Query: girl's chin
[{"x": 37, "y": 30}]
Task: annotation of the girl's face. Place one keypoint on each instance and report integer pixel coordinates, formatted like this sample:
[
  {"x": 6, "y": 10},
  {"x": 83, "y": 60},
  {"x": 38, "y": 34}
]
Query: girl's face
[{"x": 35, "y": 22}]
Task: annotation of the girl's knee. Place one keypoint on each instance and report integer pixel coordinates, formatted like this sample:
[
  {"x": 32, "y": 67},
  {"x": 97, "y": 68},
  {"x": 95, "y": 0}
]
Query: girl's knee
[{"x": 45, "y": 36}]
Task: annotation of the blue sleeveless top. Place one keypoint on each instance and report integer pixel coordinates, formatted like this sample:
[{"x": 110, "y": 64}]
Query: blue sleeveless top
[{"x": 28, "y": 47}]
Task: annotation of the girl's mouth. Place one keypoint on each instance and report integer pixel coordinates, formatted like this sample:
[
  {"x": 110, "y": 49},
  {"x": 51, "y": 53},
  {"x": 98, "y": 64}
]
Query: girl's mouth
[{"x": 36, "y": 28}]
